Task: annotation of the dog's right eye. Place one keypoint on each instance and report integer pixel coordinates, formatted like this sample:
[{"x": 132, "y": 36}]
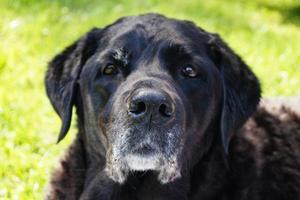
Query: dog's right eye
[
  {"x": 110, "y": 69},
  {"x": 189, "y": 71}
]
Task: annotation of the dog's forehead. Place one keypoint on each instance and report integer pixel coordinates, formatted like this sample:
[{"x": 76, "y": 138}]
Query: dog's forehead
[
  {"x": 149, "y": 41},
  {"x": 140, "y": 31}
]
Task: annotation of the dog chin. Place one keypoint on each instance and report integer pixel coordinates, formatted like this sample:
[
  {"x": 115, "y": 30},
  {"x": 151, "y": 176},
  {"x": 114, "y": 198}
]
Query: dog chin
[{"x": 142, "y": 163}]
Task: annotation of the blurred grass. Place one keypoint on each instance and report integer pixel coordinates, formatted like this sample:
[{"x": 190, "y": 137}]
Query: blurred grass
[{"x": 266, "y": 33}]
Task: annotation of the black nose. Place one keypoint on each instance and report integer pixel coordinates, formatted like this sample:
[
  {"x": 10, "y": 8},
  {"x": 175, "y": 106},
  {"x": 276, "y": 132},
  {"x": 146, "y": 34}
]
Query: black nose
[{"x": 151, "y": 103}]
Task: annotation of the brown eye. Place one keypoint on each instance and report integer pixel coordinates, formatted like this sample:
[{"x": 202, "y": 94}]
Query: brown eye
[
  {"x": 110, "y": 69},
  {"x": 189, "y": 71}
]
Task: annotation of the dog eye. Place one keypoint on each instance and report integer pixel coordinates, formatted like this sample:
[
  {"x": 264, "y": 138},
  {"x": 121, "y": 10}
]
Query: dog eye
[
  {"x": 110, "y": 69},
  {"x": 189, "y": 71}
]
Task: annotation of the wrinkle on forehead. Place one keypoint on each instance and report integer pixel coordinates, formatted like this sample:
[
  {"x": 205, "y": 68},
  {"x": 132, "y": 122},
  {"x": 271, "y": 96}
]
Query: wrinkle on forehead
[{"x": 133, "y": 36}]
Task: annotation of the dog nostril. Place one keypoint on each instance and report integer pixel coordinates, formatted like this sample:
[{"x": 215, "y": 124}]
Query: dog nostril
[
  {"x": 165, "y": 110},
  {"x": 137, "y": 108}
]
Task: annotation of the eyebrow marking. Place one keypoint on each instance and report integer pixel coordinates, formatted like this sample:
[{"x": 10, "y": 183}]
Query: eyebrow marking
[
  {"x": 121, "y": 55},
  {"x": 179, "y": 49}
]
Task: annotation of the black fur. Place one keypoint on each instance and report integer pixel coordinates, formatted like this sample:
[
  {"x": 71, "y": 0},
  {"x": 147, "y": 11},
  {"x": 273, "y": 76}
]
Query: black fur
[{"x": 216, "y": 144}]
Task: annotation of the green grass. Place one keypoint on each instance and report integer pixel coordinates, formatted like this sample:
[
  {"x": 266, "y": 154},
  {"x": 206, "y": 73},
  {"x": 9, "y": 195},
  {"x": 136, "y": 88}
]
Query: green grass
[{"x": 266, "y": 33}]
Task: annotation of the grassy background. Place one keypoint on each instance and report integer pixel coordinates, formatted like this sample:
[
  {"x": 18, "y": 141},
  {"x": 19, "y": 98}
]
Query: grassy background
[{"x": 266, "y": 33}]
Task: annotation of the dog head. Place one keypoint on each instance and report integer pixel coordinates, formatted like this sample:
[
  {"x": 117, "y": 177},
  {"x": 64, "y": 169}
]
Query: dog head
[{"x": 152, "y": 93}]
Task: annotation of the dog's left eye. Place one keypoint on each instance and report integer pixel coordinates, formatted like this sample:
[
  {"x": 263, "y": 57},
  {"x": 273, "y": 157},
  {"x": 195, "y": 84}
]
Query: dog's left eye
[
  {"x": 189, "y": 71},
  {"x": 110, "y": 69}
]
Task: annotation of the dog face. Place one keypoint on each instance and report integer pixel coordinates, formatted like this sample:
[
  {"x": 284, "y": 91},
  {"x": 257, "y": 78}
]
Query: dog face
[{"x": 152, "y": 93}]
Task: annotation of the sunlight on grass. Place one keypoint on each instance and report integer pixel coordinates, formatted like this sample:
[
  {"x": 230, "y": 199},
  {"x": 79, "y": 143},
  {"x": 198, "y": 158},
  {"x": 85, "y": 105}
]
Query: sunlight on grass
[{"x": 265, "y": 33}]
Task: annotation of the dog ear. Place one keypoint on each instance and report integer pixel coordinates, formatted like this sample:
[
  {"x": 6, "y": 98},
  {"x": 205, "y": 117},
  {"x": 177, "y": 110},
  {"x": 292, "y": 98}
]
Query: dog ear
[
  {"x": 241, "y": 89},
  {"x": 62, "y": 74}
]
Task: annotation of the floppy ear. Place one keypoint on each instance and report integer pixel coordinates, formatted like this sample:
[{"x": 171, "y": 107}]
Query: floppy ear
[
  {"x": 241, "y": 89},
  {"x": 62, "y": 74}
]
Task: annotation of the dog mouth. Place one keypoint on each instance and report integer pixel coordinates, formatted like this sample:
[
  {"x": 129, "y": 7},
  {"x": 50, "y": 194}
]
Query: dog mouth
[{"x": 144, "y": 157}]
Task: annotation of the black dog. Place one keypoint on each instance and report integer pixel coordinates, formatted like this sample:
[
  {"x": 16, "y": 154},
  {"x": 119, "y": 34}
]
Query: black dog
[{"x": 158, "y": 101}]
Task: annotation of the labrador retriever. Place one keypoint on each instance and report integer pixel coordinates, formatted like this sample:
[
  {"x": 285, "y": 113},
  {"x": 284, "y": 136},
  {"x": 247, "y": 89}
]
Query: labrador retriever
[{"x": 166, "y": 110}]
